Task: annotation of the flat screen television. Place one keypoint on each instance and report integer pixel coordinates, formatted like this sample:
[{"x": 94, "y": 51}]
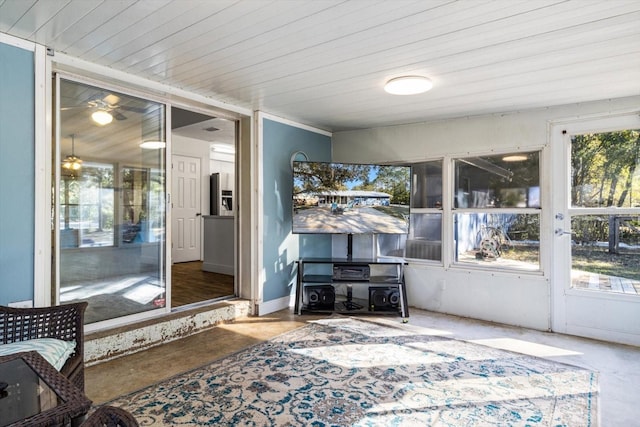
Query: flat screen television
[{"x": 348, "y": 198}]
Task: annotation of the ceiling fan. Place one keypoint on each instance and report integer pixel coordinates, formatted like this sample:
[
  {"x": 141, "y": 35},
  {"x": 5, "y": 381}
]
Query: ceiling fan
[{"x": 106, "y": 108}]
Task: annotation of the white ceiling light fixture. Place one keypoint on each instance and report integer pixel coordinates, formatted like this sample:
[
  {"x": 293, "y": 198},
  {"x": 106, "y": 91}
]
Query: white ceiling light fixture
[
  {"x": 224, "y": 148},
  {"x": 515, "y": 158},
  {"x": 102, "y": 117},
  {"x": 153, "y": 145},
  {"x": 408, "y": 85}
]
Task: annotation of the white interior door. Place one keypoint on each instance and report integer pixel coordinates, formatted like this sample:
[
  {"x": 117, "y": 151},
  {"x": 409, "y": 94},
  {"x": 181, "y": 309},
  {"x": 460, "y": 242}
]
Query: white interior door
[
  {"x": 596, "y": 225},
  {"x": 185, "y": 213}
]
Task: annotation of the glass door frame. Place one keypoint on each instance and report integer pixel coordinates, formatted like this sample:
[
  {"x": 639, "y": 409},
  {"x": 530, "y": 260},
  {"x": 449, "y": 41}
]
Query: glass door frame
[
  {"x": 164, "y": 260},
  {"x": 576, "y": 311}
]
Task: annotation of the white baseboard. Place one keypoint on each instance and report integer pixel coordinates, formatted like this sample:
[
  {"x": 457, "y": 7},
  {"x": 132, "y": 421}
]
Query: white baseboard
[
  {"x": 217, "y": 268},
  {"x": 273, "y": 305}
]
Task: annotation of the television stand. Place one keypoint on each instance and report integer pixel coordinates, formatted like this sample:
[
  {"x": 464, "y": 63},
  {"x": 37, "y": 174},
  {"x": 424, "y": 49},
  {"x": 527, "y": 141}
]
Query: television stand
[
  {"x": 349, "y": 304},
  {"x": 351, "y": 286}
]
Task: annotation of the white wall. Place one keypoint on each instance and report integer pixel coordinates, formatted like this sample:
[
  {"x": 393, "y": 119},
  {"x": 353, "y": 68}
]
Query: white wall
[
  {"x": 224, "y": 164},
  {"x": 520, "y": 300},
  {"x": 422, "y": 141},
  {"x": 511, "y": 298}
]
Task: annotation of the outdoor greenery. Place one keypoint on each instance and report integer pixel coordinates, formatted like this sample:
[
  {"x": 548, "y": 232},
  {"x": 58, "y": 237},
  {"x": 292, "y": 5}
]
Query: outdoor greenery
[
  {"x": 87, "y": 201},
  {"x": 596, "y": 260},
  {"x": 604, "y": 169},
  {"x": 522, "y": 253},
  {"x": 87, "y": 195},
  {"x": 314, "y": 177},
  {"x": 586, "y": 259}
]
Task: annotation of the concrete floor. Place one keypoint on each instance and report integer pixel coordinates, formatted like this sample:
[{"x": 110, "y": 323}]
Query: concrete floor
[{"x": 618, "y": 365}]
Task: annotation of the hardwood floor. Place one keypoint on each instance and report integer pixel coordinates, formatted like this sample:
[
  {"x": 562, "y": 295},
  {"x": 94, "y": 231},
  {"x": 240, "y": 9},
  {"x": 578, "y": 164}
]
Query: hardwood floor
[{"x": 190, "y": 284}]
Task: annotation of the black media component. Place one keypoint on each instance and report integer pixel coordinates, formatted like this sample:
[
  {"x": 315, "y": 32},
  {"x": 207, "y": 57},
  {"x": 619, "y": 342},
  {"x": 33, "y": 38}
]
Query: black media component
[
  {"x": 349, "y": 304},
  {"x": 384, "y": 298},
  {"x": 351, "y": 272},
  {"x": 319, "y": 297}
]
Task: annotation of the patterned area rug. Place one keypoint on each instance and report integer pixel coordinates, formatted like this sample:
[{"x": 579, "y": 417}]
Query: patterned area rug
[{"x": 358, "y": 372}]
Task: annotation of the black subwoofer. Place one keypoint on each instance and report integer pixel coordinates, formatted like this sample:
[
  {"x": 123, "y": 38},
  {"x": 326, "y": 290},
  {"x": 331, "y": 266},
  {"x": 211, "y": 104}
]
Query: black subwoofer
[
  {"x": 319, "y": 297},
  {"x": 384, "y": 298}
]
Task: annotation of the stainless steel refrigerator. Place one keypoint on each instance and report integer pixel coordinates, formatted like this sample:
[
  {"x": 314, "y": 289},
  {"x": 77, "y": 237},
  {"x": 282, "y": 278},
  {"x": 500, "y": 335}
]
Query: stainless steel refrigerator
[{"x": 220, "y": 198}]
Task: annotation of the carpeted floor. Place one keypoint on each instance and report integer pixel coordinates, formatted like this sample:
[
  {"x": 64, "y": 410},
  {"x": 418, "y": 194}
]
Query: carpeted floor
[{"x": 368, "y": 372}]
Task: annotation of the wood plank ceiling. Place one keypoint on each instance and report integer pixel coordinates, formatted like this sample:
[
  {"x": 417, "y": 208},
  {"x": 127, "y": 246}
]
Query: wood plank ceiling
[{"x": 324, "y": 62}]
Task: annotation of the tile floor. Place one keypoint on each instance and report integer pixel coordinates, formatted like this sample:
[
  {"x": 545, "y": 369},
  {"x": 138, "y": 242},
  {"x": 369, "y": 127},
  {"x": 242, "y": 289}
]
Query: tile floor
[{"x": 618, "y": 365}]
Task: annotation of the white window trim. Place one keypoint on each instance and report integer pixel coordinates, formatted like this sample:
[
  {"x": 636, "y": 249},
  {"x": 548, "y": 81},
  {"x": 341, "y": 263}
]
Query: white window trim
[{"x": 450, "y": 211}]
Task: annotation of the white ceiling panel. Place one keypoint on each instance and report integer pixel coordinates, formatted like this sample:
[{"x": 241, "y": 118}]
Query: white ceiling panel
[
  {"x": 324, "y": 62},
  {"x": 85, "y": 27}
]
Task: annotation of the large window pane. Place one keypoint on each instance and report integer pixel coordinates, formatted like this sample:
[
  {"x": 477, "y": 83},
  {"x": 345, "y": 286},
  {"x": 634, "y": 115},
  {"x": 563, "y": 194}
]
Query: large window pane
[
  {"x": 87, "y": 203},
  {"x": 605, "y": 245},
  {"x": 111, "y": 201},
  {"x": 605, "y": 169},
  {"x": 605, "y": 253},
  {"x": 510, "y": 238},
  {"x": 425, "y": 240},
  {"x": 426, "y": 185},
  {"x": 504, "y": 240},
  {"x": 504, "y": 181}
]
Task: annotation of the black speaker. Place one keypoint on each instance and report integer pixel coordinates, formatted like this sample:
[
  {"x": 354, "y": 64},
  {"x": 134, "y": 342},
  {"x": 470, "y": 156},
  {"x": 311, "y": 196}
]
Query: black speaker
[
  {"x": 384, "y": 298},
  {"x": 319, "y": 297}
]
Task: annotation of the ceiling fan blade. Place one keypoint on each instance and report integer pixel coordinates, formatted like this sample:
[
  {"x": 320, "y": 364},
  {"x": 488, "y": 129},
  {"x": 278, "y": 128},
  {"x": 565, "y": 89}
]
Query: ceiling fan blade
[
  {"x": 118, "y": 115},
  {"x": 134, "y": 109},
  {"x": 73, "y": 107}
]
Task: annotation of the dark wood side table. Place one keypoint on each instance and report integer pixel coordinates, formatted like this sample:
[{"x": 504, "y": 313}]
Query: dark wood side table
[{"x": 37, "y": 394}]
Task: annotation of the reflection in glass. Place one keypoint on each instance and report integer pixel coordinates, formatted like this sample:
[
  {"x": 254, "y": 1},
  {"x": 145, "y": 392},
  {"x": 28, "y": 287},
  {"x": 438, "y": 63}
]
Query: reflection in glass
[
  {"x": 26, "y": 395},
  {"x": 505, "y": 240},
  {"x": 111, "y": 210},
  {"x": 425, "y": 241},
  {"x": 426, "y": 184},
  {"x": 86, "y": 204},
  {"x": 425, "y": 222},
  {"x": 391, "y": 245},
  {"x": 504, "y": 181},
  {"x": 605, "y": 253}
]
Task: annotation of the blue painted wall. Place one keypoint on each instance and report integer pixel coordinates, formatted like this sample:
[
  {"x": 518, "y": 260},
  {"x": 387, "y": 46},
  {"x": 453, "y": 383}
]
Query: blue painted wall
[
  {"x": 17, "y": 173},
  {"x": 281, "y": 247}
]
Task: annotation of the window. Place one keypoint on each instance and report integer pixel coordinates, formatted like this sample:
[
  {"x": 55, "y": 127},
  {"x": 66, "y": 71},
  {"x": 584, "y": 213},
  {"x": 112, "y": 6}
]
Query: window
[
  {"x": 425, "y": 220},
  {"x": 142, "y": 205},
  {"x": 605, "y": 211},
  {"x": 87, "y": 206},
  {"x": 496, "y": 214},
  {"x": 605, "y": 170}
]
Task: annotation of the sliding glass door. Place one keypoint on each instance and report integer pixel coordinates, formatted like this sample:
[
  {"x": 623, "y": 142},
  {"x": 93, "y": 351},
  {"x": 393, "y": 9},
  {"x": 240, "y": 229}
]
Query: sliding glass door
[{"x": 110, "y": 187}]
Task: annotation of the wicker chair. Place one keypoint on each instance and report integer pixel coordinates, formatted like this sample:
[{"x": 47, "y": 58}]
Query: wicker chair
[
  {"x": 110, "y": 416},
  {"x": 63, "y": 322}
]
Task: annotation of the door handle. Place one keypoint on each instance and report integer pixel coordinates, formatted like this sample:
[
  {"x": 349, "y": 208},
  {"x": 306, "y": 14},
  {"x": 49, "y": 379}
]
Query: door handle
[
  {"x": 561, "y": 232},
  {"x": 198, "y": 214}
]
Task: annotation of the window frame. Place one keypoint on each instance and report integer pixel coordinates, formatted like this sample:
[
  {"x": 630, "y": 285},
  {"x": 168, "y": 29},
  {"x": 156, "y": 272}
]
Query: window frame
[
  {"x": 451, "y": 211},
  {"x": 435, "y": 210},
  {"x": 96, "y": 164}
]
